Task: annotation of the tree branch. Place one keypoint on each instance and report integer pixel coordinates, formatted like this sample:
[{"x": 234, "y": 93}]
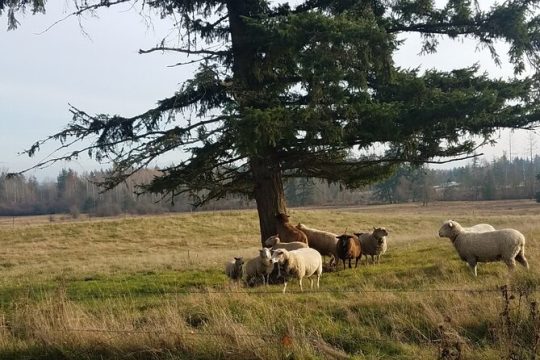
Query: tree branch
[{"x": 184, "y": 51}]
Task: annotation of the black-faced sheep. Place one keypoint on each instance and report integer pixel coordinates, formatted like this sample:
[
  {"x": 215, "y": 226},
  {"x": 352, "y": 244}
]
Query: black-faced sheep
[
  {"x": 348, "y": 247},
  {"x": 233, "y": 269},
  {"x": 260, "y": 266},
  {"x": 322, "y": 241},
  {"x": 299, "y": 264},
  {"x": 288, "y": 233},
  {"x": 507, "y": 245},
  {"x": 374, "y": 243}
]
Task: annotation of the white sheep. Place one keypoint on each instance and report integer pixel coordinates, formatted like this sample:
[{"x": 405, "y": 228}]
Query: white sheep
[
  {"x": 233, "y": 269},
  {"x": 275, "y": 243},
  {"x": 478, "y": 228},
  {"x": 507, "y": 245},
  {"x": 261, "y": 265},
  {"x": 374, "y": 243},
  {"x": 323, "y": 241},
  {"x": 299, "y": 263}
]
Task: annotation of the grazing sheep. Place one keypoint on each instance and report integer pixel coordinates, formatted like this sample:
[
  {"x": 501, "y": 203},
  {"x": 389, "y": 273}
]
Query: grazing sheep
[
  {"x": 261, "y": 265},
  {"x": 507, "y": 245},
  {"x": 233, "y": 268},
  {"x": 478, "y": 228},
  {"x": 275, "y": 243},
  {"x": 348, "y": 247},
  {"x": 322, "y": 241},
  {"x": 299, "y": 264},
  {"x": 373, "y": 244},
  {"x": 288, "y": 233}
]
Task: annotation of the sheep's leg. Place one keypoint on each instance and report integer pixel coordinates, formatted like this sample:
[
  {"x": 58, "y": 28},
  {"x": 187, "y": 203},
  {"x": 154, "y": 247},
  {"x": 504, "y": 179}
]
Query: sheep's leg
[
  {"x": 350, "y": 267},
  {"x": 311, "y": 283},
  {"x": 472, "y": 265},
  {"x": 285, "y": 287},
  {"x": 356, "y": 264},
  {"x": 343, "y": 264},
  {"x": 318, "y": 279},
  {"x": 520, "y": 258},
  {"x": 332, "y": 260},
  {"x": 300, "y": 282},
  {"x": 511, "y": 263}
]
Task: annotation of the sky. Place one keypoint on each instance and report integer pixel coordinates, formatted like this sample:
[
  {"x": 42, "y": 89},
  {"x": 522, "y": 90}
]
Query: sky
[{"x": 99, "y": 70}]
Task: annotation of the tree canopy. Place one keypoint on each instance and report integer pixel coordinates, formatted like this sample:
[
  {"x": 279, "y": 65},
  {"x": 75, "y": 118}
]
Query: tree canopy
[{"x": 305, "y": 90}]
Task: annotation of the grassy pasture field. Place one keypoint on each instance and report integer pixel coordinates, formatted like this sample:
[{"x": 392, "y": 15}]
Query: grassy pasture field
[{"x": 153, "y": 288}]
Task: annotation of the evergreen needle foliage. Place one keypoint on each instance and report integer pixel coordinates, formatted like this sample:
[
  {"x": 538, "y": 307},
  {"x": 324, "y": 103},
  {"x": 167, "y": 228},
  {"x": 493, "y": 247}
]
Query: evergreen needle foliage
[{"x": 306, "y": 90}]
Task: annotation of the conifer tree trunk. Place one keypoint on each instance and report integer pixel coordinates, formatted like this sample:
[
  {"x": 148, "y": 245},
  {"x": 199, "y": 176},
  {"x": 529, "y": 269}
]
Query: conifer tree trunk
[{"x": 269, "y": 194}]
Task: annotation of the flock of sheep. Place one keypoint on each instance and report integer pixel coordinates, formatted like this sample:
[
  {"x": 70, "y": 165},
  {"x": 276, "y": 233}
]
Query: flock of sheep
[{"x": 296, "y": 252}]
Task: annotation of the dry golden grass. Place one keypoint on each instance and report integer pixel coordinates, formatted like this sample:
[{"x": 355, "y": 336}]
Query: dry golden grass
[{"x": 153, "y": 287}]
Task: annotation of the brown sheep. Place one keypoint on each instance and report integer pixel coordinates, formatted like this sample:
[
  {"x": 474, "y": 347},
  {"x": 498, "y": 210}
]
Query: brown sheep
[
  {"x": 348, "y": 247},
  {"x": 322, "y": 241},
  {"x": 288, "y": 233}
]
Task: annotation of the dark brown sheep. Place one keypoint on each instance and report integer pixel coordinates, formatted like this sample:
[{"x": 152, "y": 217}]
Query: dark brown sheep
[
  {"x": 348, "y": 247},
  {"x": 288, "y": 233}
]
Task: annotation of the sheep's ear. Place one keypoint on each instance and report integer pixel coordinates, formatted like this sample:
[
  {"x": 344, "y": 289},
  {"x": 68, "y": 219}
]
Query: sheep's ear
[{"x": 450, "y": 224}]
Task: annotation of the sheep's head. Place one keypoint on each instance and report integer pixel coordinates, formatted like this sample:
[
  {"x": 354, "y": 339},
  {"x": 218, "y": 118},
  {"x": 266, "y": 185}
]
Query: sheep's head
[
  {"x": 301, "y": 226},
  {"x": 272, "y": 240},
  {"x": 282, "y": 218},
  {"x": 380, "y": 233},
  {"x": 280, "y": 256},
  {"x": 265, "y": 255},
  {"x": 358, "y": 234},
  {"x": 450, "y": 229},
  {"x": 344, "y": 241},
  {"x": 238, "y": 261}
]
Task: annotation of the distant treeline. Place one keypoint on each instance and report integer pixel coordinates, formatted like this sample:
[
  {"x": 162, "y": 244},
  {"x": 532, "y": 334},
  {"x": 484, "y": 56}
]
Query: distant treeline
[{"x": 75, "y": 193}]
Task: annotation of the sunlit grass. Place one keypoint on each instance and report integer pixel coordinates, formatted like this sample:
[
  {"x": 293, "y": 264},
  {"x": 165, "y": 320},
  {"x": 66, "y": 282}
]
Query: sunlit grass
[{"x": 155, "y": 288}]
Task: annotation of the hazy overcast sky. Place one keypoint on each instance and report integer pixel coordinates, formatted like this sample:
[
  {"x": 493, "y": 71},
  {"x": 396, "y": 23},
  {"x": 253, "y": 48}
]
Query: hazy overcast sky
[{"x": 104, "y": 73}]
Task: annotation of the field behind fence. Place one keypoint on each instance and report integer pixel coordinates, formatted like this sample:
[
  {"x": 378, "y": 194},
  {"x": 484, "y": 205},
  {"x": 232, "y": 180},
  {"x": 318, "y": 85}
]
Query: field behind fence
[{"x": 154, "y": 288}]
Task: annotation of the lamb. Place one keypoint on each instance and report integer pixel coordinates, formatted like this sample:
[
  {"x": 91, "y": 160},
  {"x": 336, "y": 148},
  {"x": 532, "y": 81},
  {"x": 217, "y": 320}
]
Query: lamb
[
  {"x": 348, "y": 247},
  {"x": 299, "y": 263},
  {"x": 479, "y": 228},
  {"x": 261, "y": 265},
  {"x": 323, "y": 241},
  {"x": 507, "y": 245},
  {"x": 288, "y": 233},
  {"x": 233, "y": 268},
  {"x": 373, "y": 244},
  {"x": 275, "y": 243}
]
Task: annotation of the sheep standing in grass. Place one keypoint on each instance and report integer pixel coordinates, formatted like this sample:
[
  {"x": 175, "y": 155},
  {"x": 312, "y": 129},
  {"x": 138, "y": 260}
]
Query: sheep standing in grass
[
  {"x": 288, "y": 233},
  {"x": 507, "y": 245},
  {"x": 275, "y": 243},
  {"x": 299, "y": 264},
  {"x": 373, "y": 244},
  {"x": 479, "y": 228},
  {"x": 348, "y": 247},
  {"x": 260, "y": 266},
  {"x": 323, "y": 241},
  {"x": 233, "y": 268}
]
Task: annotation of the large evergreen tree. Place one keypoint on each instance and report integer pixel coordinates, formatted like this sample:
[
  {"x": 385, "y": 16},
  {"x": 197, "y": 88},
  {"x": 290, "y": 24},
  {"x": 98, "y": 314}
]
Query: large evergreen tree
[{"x": 304, "y": 90}]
